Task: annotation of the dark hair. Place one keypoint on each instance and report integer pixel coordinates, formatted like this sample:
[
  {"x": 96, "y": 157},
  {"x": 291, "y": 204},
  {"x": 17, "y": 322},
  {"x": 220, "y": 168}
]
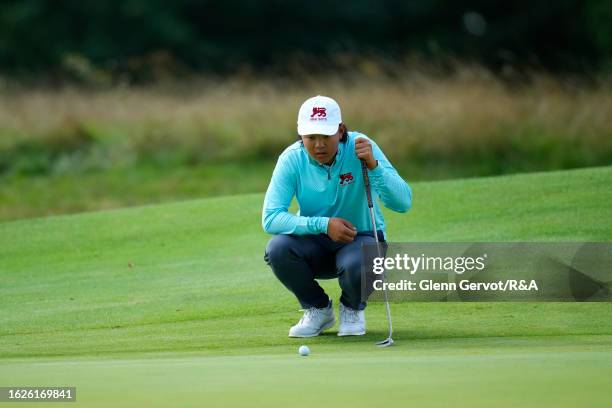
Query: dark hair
[{"x": 343, "y": 139}]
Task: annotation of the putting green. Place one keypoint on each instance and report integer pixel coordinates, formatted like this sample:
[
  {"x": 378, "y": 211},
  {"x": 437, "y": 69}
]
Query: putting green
[
  {"x": 470, "y": 372},
  {"x": 172, "y": 304}
]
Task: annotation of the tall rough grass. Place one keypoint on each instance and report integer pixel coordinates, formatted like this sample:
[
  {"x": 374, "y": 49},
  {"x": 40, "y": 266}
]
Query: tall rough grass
[
  {"x": 470, "y": 119},
  {"x": 430, "y": 125}
]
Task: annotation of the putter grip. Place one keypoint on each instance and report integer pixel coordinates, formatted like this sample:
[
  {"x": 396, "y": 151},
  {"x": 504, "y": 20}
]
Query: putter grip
[{"x": 366, "y": 181}]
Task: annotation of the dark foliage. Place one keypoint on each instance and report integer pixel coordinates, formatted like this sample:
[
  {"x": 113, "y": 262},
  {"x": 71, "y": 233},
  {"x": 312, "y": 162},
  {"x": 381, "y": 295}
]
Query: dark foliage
[{"x": 150, "y": 38}]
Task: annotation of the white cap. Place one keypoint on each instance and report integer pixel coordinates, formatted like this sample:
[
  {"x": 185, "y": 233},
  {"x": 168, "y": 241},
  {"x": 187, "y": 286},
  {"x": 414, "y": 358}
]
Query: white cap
[{"x": 319, "y": 115}]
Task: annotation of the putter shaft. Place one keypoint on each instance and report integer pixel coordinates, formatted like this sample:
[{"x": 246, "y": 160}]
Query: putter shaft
[{"x": 366, "y": 179}]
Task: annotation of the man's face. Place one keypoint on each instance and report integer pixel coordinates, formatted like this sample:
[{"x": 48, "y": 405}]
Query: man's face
[{"x": 322, "y": 148}]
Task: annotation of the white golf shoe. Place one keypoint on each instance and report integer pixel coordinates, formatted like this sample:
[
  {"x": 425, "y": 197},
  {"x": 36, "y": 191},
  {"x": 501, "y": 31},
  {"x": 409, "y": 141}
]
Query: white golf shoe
[
  {"x": 352, "y": 322},
  {"x": 314, "y": 322}
]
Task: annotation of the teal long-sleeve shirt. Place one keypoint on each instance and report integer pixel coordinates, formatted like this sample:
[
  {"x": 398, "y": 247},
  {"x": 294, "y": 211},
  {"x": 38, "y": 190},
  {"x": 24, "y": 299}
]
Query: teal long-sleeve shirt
[{"x": 323, "y": 192}]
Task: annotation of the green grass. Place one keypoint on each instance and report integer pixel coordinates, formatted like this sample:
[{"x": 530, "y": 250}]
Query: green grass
[
  {"x": 173, "y": 303},
  {"x": 31, "y": 196},
  {"x": 43, "y": 195},
  {"x": 62, "y": 149}
]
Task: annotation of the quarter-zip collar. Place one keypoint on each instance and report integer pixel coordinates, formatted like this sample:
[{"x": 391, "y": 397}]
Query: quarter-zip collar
[{"x": 327, "y": 168}]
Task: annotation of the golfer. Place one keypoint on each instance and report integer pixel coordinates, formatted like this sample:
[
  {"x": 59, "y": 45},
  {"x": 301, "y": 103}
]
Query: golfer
[{"x": 323, "y": 171}]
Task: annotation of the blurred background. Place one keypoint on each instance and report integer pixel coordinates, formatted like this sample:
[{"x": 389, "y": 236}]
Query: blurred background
[{"x": 107, "y": 104}]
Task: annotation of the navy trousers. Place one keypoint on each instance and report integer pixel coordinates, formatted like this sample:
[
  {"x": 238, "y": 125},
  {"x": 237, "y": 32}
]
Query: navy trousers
[{"x": 298, "y": 260}]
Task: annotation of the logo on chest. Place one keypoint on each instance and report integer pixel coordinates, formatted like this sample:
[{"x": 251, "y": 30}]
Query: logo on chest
[{"x": 346, "y": 179}]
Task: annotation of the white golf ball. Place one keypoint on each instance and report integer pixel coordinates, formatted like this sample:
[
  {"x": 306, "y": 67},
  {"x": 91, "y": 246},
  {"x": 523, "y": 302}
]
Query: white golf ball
[{"x": 304, "y": 350}]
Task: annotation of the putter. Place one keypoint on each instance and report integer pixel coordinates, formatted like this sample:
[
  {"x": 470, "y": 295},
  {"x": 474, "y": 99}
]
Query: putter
[{"x": 364, "y": 169}]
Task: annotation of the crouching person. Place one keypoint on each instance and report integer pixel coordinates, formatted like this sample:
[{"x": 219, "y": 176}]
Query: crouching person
[{"x": 322, "y": 170}]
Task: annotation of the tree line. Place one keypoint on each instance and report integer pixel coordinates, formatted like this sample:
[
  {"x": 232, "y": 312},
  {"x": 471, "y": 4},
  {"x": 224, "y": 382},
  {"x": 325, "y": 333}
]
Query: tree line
[{"x": 60, "y": 37}]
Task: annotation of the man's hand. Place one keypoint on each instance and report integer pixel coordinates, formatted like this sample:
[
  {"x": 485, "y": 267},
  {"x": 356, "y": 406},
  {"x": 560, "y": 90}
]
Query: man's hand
[
  {"x": 363, "y": 150},
  {"x": 340, "y": 230}
]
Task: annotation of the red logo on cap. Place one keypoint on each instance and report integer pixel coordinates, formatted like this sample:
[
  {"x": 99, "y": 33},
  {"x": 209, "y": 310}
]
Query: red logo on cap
[{"x": 319, "y": 112}]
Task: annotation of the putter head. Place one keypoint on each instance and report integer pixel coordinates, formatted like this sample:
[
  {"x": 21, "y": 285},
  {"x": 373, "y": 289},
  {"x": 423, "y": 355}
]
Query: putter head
[{"x": 385, "y": 343}]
